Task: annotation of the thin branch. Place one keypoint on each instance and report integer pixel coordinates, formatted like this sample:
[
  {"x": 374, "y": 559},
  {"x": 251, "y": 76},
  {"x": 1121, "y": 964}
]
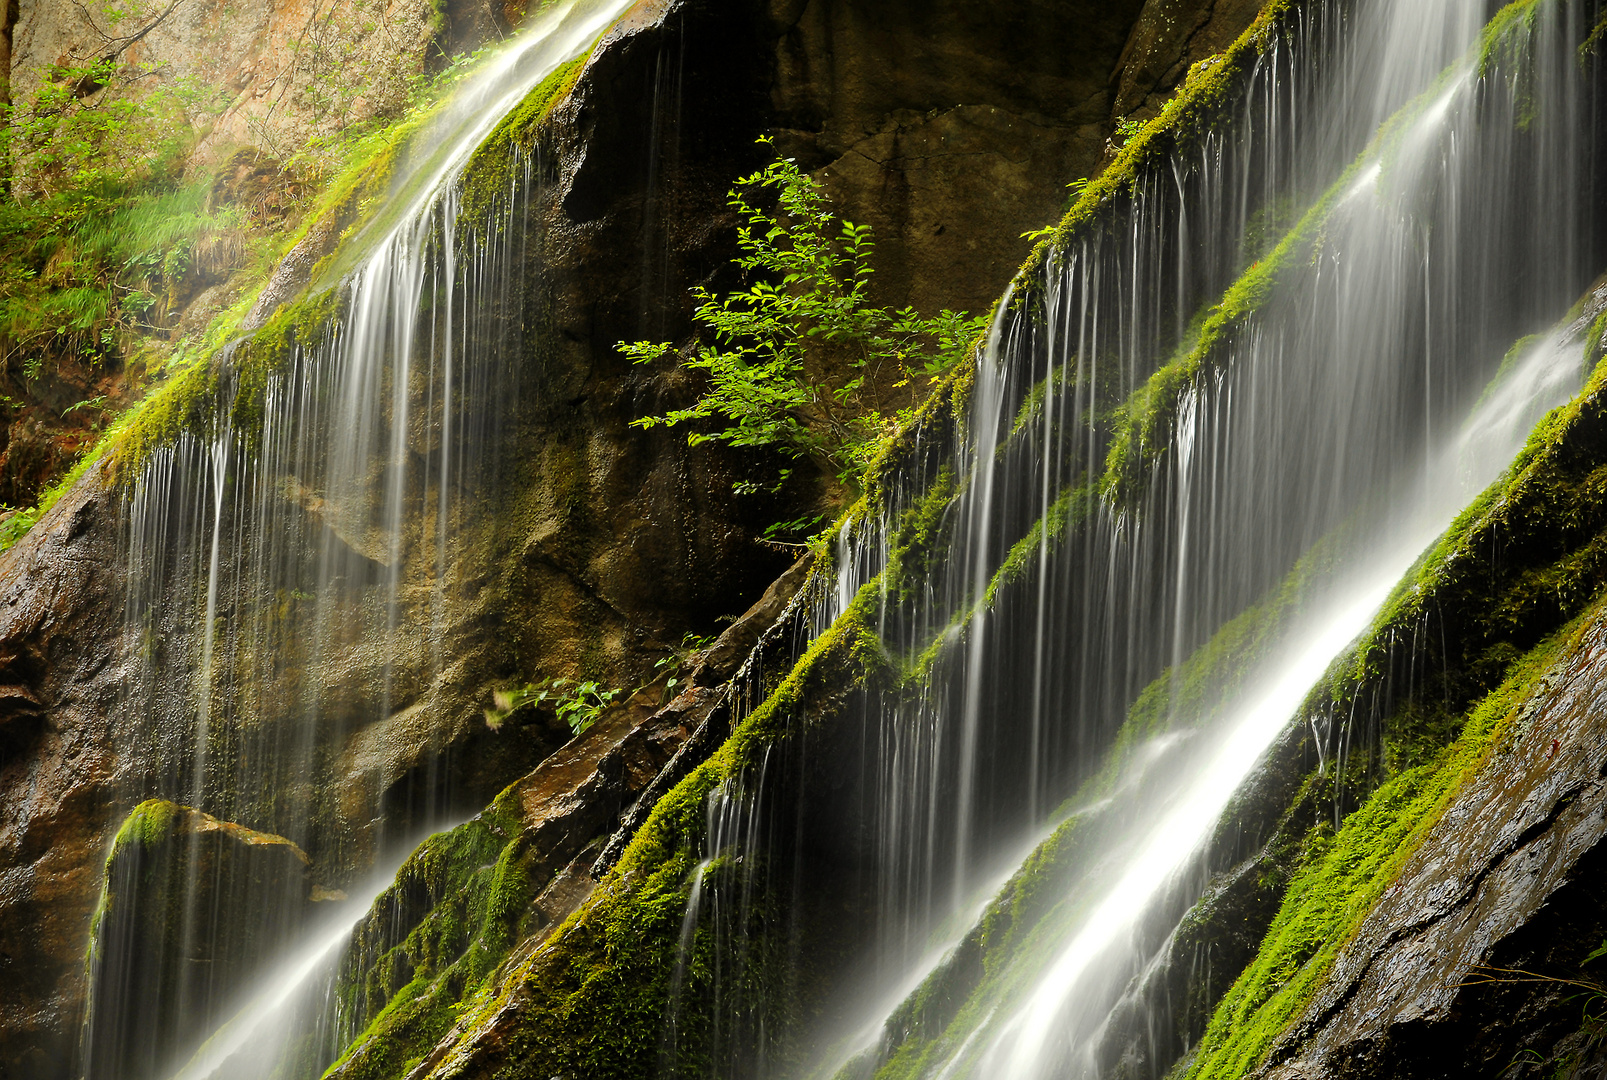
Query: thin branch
[
  {"x": 89, "y": 84},
  {"x": 1485, "y": 975}
]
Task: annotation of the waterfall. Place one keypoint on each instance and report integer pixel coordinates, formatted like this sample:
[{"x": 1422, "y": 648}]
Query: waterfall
[
  {"x": 1211, "y": 428},
  {"x": 292, "y": 553},
  {"x": 1301, "y": 324}
]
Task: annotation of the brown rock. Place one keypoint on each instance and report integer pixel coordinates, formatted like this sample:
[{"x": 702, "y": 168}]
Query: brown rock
[{"x": 1508, "y": 879}]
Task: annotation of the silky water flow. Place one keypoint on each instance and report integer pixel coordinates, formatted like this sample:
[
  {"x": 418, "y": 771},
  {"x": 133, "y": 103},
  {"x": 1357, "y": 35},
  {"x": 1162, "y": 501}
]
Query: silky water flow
[
  {"x": 1400, "y": 195},
  {"x": 290, "y": 570},
  {"x": 1396, "y": 199}
]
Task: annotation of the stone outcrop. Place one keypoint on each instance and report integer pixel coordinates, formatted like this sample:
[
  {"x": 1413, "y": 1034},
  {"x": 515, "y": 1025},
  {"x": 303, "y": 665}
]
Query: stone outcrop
[
  {"x": 517, "y": 870},
  {"x": 62, "y": 755},
  {"x": 1169, "y": 37},
  {"x": 191, "y": 907},
  {"x": 1477, "y": 959}
]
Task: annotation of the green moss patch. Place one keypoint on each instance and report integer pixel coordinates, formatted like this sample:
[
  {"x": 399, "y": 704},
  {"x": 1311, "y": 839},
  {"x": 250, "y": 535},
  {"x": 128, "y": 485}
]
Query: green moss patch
[
  {"x": 1343, "y": 878},
  {"x": 593, "y": 998},
  {"x": 457, "y": 908}
]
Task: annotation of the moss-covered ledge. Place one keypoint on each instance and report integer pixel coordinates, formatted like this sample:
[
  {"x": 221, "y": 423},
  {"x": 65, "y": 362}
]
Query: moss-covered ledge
[
  {"x": 232, "y": 379},
  {"x": 1455, "y": 651},
  {"x": 1207, "y": 96},
  {"x": 1426, "y": 692},
  {"x": 590, "y": 1000}
]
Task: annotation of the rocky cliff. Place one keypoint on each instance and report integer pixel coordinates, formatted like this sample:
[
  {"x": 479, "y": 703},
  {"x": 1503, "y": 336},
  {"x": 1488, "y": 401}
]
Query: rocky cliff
[
  {"x": 600, "y": 547},
  {"x": 1356, "y": 923}
]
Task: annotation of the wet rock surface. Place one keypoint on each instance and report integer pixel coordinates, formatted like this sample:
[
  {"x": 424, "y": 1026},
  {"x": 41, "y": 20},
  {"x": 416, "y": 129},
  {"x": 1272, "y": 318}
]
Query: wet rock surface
[
  {"x": 192, "y": 908},
  {"x": 545, "y": 831},
  {"x": 949, "y": 130},
  {"x": 60, "y": 758},
  {"x": 1169, "y": 37},
  {"x": 1471, "y": 963}
]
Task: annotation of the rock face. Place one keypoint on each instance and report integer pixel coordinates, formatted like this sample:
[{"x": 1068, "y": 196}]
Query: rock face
[
  {"x": 1474, "y": 961},
  {"x": 949, "y": 127},
  {"x": 293, "y": 70},
  {"x": 499, "y": 884},
  {"x": 1169, "y": 37},
  {"x": 59, "y": 762},
  {"x": 192, "y": 906}
]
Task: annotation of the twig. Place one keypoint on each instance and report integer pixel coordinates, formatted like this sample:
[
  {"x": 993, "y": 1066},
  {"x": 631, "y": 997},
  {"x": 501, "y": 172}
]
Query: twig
[
  {"x": 89, "y": 84},
  {"x": 1502, "y": 975}
]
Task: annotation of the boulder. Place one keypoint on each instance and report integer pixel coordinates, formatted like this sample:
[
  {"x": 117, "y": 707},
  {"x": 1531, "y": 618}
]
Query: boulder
[{"x": 190, "y": 909}]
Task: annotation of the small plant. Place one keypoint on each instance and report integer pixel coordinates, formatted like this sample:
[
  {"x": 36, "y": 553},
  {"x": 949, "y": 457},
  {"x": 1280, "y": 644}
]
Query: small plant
[
  {"x": 1126, "y": 130},
  {"x": 691, "y": 645},
  {"x": 14, "y": 525},
  {"x": 98, "y": 404},
  {"x": 1075, "y": 190},
  {"x": 769, "y": 361},
  {"x": 578, "y": 704}
]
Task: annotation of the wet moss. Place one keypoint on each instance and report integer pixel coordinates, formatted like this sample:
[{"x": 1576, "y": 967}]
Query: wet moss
[
  {"x": 920, "y": 537},
  {"x": 1210, "y": 90},
  {"x": 148, "y": 824},
  {"x": 1345, "y": 875},
  {"x": 1142, "y": 424},
  {"x": 231, "y": 384},
  {"x": 457, "y": 908},
  {"x": 1068, "y": 512},
  {"x": 488, "y": 176},
  {"x": 948, "y": 1001},
  {"x": 1467, "y": 634},
  {"x": 593, "y": 997}
]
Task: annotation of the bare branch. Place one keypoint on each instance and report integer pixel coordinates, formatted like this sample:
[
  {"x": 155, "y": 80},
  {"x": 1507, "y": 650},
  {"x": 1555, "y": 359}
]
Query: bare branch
[{"x": 89, "y": 84}]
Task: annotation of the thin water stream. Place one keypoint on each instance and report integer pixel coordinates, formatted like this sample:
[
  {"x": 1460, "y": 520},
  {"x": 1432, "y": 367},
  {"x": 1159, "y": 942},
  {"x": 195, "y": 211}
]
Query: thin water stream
[
  {"x": 291, "y": 563},
  {"x": 293, "y": 1003},
  {"x": 1426, "y": 175},
  {"x": 1050, "y": 1027}
]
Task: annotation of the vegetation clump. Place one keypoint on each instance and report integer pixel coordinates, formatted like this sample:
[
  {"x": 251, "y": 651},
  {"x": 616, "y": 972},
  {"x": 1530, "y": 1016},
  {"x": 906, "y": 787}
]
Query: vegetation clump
[
  {"x": 131, "y": 248},
  {"x": 796, "y": 355},
  {"x": 593, "y": 996},
  {"x": 578, "y": 702}
]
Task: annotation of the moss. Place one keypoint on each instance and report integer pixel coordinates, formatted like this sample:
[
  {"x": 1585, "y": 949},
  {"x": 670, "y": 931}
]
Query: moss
[
  {"x": 1515, "y": 567},
  {"x": 935, "y": 425},
  {"x": 148, "y": 824},
  {"x": 1592, "y": 43},
  {"x": 1143, "y": 424},
  {"x": 488, "y": 176},
  {"x": 1329, "y": 897},
  {"x": 1200, "y": 104},
  {"x": 920, "y": 536},
  {"x": 1010, "y": 923},
  {"x": 456, "y": 909},
  {"x": 922, "y": 1026},
  {"x": 1070, "y": 510},
  {"x": 593, "y": 997},
  {"x": 1504, "y": 49},
  {"x": 1475, "y": 624},
  {"x": 232, "y": 383}
]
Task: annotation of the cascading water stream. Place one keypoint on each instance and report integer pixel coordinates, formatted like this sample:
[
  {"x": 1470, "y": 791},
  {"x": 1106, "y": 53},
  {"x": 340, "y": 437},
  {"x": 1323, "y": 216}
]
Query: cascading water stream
[
  {"x": 282, "y": 555},
  {"x": 1050, "y": 1031},
  {"x": 1398, "y": 200},
  {"x": 261, "y": 1038}
]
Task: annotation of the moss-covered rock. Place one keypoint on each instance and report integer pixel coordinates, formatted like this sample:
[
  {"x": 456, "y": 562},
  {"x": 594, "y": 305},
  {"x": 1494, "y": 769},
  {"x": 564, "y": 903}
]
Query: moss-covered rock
[{"x": 190, "y": 908}]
